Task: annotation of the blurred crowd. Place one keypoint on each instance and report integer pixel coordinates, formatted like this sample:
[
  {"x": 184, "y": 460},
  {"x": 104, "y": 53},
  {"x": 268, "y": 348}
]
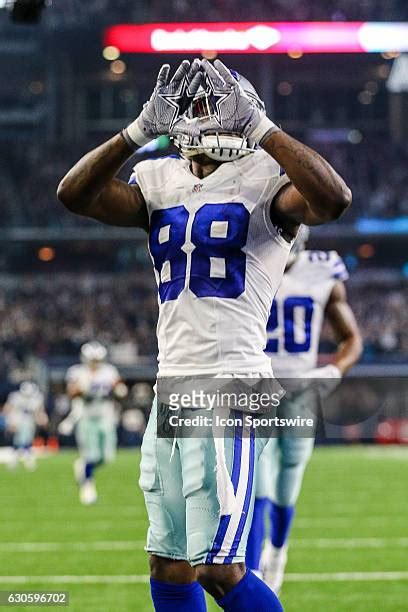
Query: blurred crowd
[
  {"x": 232, "y": 10},
  {"x": 383, "y": 318},
  {"x": 35, "y": 172},
  {"x": 377, "y": 173},
  {"x": 280, "y": 10},
  {"x": 51, "y": 316}
]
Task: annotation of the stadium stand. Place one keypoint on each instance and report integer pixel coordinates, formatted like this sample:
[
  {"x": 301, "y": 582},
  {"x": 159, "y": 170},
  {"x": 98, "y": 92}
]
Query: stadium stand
[
  {"x": 376, "y": 194},
  {"x": 51, "y": 316}
]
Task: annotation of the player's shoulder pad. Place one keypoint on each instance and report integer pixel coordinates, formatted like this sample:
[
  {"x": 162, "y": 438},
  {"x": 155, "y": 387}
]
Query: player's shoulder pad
[
  {"x": 149, "y": 167},
  {"x": 329, "y": 263},
  {"x": 73, "y": 372},
  {"x": 260, "y": 164},
  {"x": 13, "y": 397},
  {"x": 260, "y": 169},
  {"x": 111, "y": 370}
]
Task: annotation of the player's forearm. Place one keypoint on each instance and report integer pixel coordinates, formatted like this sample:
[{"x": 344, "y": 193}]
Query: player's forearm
[
  {"x": 92, "y": 173},
  {"x": 325, "y": 191},
  {"x": 348, "y": 353},
  {"x": 74, "y": 390}
]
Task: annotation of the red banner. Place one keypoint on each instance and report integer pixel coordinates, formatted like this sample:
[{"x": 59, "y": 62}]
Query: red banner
[{"x": 259, "y": 37}]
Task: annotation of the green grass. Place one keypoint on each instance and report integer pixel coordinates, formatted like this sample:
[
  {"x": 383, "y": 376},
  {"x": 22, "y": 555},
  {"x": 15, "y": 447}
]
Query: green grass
[{"x": 349, "y": 494}]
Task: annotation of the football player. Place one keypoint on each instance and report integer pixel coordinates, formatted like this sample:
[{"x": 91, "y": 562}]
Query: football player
[
  {"x": 25, "y": 412},
  {"x": 220, "y": 219},
  {"x": 312, "y": 290},
  {"x": 92, "y": 387}
]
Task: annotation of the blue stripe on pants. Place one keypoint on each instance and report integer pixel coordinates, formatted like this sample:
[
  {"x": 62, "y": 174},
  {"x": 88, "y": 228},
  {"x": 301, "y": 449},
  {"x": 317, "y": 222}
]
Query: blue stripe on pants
[
  {"x": 224, "y": 521},
  {"x": 247, "y": 501}
]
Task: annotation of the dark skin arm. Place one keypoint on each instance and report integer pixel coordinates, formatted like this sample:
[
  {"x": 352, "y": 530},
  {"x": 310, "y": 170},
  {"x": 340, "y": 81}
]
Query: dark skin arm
[
  {"x": 74, "y": 390},
  {"x": 317, "y": 194},
  {"x": 90, "y": 188},
  {"x": 343, "y": 323}
]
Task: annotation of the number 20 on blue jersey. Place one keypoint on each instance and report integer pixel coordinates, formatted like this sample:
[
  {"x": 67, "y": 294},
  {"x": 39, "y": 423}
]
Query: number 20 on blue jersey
[{"x": 218, "y": 263}]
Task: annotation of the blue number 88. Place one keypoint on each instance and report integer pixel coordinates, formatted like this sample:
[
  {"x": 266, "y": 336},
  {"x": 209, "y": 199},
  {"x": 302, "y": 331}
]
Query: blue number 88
[{"x": 218, "y": 235}]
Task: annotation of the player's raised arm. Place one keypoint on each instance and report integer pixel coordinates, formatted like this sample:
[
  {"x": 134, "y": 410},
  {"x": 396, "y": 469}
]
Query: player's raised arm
[
  {"x": 90, "y": 187},
  {"x": 317, "y": 193},
  {"x": 74, "y": 389},
  {"x": 344, "y": 325}
]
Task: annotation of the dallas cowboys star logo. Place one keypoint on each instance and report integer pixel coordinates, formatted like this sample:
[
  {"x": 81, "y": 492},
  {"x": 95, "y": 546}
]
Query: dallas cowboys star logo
[
  {"x": 222, "y": 99},
  {"x": 173, "y": 102},
  {"x": 179, "y": 100}
]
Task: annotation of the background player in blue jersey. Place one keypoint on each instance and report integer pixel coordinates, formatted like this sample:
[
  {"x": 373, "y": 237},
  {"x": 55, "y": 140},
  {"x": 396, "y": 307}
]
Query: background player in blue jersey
[
  {"x": 221, "y": 221},
  {"x": 312, "y": 290}
]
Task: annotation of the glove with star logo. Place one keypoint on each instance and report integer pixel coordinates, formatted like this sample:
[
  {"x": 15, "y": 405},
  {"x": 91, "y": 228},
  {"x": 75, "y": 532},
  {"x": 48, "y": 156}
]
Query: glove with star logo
[
  {"x": 235, "y": 111},
  {"x": 167, "y": 103}
]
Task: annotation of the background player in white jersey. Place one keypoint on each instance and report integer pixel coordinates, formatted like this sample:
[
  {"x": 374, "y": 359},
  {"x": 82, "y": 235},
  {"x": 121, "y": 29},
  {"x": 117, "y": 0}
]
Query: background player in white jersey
[
  {"x": 25, "y": 411},
  {"x": 312, "y": 290},
  {"x": 220, "y": 220},
  {"x": 92, "y": 387}
]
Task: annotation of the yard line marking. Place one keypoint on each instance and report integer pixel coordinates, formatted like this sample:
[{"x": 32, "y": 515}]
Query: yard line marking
[
  {"x": 75, "y": 546},
  {"x": 142, "y": 579},
  {"x": 127, "y": 545},
  {"x": 92, "y": 525},
  {"x": 73, "y": 579},
  {"x": 106, "y": 512},
  {"x": 347, "y": 577},
  {"x": 344, "y": 521},
  {"x": 350, "y": 542},
  {"x": 396, "y": 452}
]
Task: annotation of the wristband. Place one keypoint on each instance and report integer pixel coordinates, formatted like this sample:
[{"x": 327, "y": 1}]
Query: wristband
[
  {"x": 332, "y": 371},
  {"x": 136, "y": 135},
  {"x": 263, "y": 129},
  {"x": 128, "y": 140},
  {"x": 329, "y": 371}
]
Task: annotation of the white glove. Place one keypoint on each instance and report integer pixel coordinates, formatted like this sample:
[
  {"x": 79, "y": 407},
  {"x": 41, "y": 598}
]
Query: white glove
[
  {"x": 326, "y": 379},
  {"x": 66, "y": 427},
  {"x": 329, "y": 371},
  {"x": 235, "y": 110},
  {"x": 166, "y": 104}
]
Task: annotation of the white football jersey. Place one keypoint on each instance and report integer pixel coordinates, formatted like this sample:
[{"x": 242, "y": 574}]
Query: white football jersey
[
  {"x": 218, "y": 261},
  {"x": 297, "y": 313},
  {"x": 97, "y": 384},
  {"x": 24, "y": 408}
]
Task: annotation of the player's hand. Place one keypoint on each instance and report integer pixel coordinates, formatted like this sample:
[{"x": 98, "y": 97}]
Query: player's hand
[
  {"x": 329, "y": 371},
  {"x": 167, "y": 103},
  {"x": 325, "y": 379},
  {"x": 65, "y": 428},
  {"x": 186, "y": 129},
  {"x": 235, "y": 110}
]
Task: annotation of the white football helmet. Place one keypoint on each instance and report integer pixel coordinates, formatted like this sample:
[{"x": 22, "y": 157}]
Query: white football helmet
[
  {"x": 219, "y": 146},
  {"x": 93, "y": 352},
  {"x": 28, "y": 389}
]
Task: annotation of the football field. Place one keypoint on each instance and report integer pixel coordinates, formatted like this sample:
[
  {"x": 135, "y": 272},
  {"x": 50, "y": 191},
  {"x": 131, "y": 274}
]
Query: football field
[{"x": 349, "y": 549}]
